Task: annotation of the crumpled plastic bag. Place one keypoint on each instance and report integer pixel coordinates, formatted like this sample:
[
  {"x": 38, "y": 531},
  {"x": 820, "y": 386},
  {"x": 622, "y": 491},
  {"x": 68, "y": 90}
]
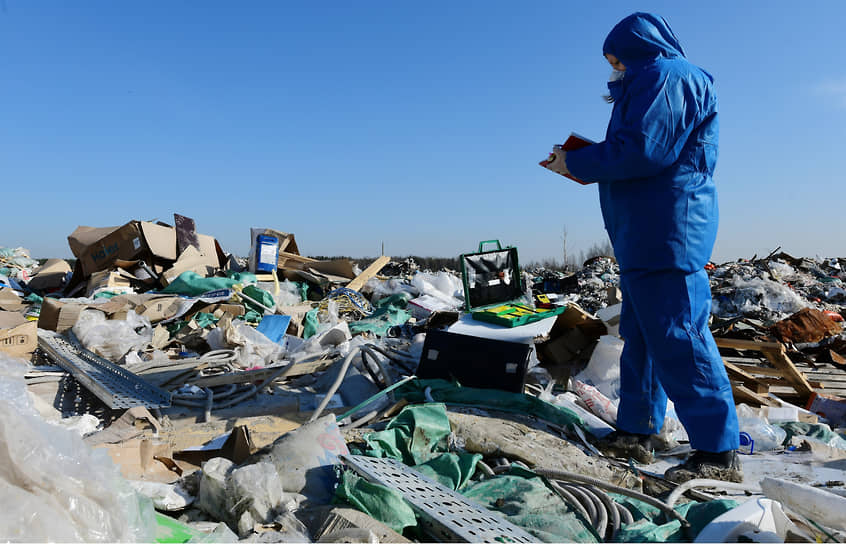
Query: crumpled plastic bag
[
  {"x": 603, "y": 369},
  {"x": 254, "y": 349},
  {"x": 304, "y": 458},
  {"x": 56, "y": 488},
  {"x": 443, "y": 286},
  {"x": 113, "y": 338},
  {"x": 755, "y": 296}
]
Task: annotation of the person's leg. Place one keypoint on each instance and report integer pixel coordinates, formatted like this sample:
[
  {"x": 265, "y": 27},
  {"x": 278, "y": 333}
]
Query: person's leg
[
  {"x": 643, "y": 402},
  {"x": 673, "y": 309}
]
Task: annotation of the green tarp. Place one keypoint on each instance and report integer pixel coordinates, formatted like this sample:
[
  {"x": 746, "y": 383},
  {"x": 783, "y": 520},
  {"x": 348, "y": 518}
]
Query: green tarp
[
  {"x": 453, "y": 393},
  {"x": 651, "y": 525},
  {"x": 419, "y": 437}
]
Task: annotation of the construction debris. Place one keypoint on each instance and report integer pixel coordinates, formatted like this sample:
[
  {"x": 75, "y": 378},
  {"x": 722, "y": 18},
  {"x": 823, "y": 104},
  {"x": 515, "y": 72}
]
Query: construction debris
[{"x": 282, "y": 398}]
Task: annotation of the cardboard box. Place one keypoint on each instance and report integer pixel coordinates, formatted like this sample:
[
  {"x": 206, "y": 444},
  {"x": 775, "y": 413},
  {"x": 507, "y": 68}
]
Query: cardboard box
[
  {"x": 50, "y": 276},
  {"x": 18, "y": 337},
  {"x": 108, "y": 279},
  {"x": 569, "y": 342},
  {"x": 98, "y": 248},
  {"x": 61, "y": 316}
]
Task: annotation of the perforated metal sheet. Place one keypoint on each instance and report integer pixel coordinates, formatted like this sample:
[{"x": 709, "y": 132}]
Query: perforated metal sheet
[
  {"x": 117, "y": 387},
  {"x": 444, "y": 514}
]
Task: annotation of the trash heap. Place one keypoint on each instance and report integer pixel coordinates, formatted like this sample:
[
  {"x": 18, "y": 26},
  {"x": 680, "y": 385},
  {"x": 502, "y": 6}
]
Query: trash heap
[{"x": 161, "y": 389}]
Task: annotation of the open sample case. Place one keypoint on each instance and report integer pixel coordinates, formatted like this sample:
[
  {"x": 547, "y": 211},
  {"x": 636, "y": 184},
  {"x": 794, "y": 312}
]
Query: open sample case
[{"x": 493, "y": 288}]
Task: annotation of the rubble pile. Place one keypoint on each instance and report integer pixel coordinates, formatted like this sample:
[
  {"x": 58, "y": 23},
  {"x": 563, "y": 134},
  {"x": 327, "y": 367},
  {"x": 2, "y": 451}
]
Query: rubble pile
[{"x": 171, "y": 391}]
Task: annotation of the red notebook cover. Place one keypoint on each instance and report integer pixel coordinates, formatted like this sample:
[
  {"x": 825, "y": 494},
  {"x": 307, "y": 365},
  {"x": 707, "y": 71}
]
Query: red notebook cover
[{"x": 573, "y": 142}]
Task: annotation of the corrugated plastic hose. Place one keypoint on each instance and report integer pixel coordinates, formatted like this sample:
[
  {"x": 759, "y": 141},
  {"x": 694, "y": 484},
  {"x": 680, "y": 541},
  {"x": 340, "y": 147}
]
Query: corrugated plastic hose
[
  {"x": 345, "y": 366},
  {"x": 573, "y": 477},
  {"x": 570, "y": 498},
  {"x": 226, "y": 396},
  {"x": 625, "y": 515},
  {"x": 368, "y": 349}
]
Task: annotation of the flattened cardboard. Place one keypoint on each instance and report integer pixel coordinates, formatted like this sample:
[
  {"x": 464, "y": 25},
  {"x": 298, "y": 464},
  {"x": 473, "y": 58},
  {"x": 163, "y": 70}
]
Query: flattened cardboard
[
  {"x": 190, "y": 260},
  {"x": 18, "y": 336},
  {"x": 10, "y": 301}
]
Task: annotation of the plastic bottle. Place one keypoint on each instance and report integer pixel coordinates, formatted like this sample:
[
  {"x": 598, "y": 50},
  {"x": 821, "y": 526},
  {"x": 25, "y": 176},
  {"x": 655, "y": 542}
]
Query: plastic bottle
[{"x": 765, "y": 437}]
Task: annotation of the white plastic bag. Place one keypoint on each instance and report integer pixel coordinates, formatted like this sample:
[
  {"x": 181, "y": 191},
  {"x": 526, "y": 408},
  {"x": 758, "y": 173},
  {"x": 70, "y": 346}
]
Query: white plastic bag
[
  {"x": 603, "y": 369},
  {"x": 112, "y": 339},
  {"x": 305, "y": 456},
  {"x": 254, "y": 349},
  {"x": 54, "y": 487}
]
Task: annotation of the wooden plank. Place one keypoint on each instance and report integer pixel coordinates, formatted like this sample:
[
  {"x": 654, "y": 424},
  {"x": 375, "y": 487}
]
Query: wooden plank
[
  {"x": 780, "y": 360},
  {"x": 735, "y": 343},
  {"x": 284, "y": 255},
  {"x": 358, "y": 282},
  {"x": 745, "y": 378},
  {"x": 743, "y": 394},
  {"x": 762, "y": 370},
  {"x": 782, "y": 381}
]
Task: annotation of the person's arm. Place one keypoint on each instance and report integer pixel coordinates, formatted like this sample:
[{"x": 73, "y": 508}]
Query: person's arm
[{"x": 659, "y": 117}]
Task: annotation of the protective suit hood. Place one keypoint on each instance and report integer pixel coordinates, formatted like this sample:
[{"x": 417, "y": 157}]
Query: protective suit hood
[{"x": 641, "y": 38}]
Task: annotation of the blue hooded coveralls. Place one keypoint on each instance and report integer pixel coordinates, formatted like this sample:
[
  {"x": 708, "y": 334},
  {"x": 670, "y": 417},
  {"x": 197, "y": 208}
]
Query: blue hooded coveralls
[{"x": 654, "y": 172}]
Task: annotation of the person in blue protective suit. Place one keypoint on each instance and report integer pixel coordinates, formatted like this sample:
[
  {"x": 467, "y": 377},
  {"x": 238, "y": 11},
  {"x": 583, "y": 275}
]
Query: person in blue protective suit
[{"x": 659, "y": 204}]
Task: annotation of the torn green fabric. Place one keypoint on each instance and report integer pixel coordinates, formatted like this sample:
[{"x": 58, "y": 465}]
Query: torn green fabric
[
  {"x": 651, "y": 525},
  {"x": 820, "y": 431},
  {"x": 523, "y": 499},
  {"x": 452, "y": 470},
  {"x": 399, "y": 300},
  {"x": 310, "y": 323},
  {"x": 377, "y": 501},
  {"x": 416, "y": 435},
  {"x": 193, "y": 285},
  {"x": 453, "y": 393},
  {"x": 259, "y": 295},
  {"x": 205, "y": 319}
]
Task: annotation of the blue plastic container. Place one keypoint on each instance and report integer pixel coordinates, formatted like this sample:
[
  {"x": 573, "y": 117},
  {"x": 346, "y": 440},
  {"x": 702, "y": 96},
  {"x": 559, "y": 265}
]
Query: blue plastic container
[{"x": 267, "y": 253}]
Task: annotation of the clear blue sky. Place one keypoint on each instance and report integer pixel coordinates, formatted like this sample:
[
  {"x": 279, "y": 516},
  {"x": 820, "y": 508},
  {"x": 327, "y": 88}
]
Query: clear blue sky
[{"x": 419, "y": 124}]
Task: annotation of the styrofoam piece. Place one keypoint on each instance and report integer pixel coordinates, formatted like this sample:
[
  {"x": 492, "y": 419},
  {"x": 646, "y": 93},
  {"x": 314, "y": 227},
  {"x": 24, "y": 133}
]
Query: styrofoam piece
[
  {"x": 816, "y": 504},
  {"x": 756, "y": 520},
  {"x": 524, "y": 333}
]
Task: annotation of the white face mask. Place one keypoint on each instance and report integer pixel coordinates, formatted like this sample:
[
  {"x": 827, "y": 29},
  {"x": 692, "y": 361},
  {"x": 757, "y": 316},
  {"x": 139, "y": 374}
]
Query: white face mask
[{"x": 616, "y": 75}]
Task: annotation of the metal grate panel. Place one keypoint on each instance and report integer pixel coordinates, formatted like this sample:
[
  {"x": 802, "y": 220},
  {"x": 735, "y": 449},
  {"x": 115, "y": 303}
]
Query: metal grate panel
[
  {"x": 444, "y": 514},
  {"x": 117, "y": 387}
]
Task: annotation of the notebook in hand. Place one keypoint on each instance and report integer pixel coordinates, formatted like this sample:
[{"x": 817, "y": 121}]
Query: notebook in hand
[{"x": 573, "y": 142}]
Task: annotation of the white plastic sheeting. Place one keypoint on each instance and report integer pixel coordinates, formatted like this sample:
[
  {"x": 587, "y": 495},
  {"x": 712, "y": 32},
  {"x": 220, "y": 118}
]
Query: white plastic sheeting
[{"x": 54, "y": 486}]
